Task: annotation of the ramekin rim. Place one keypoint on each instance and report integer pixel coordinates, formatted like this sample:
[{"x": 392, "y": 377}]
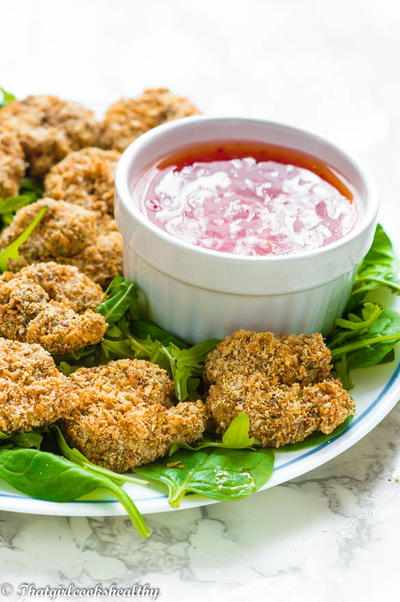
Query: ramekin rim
[{"x": 124, "y": 194}]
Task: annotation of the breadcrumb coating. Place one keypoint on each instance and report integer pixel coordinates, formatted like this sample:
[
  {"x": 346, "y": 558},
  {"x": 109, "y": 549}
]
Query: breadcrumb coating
[
  {"x": 280, "y": 414},
  {"x": 33, "y": 393},
  {"x": 283, "y": 383},
  {"x": 12, "y": 164},
  {"x": 36, "y": 309},
  {"x": 49, "y": 128},
  {"x": 144, "y": 380},
  {"x": 282, "y": 360},
  {"x": 85, "y": 177},
  {"x": 128, "y": 118},
  {"x": 68, "y": 234},
  {"x": 125, "y": 417}
]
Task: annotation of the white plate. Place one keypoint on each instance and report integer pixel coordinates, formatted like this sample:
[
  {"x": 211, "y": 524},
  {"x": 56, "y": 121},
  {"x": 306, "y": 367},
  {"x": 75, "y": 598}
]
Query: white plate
[{"x": 376, "y": 392}]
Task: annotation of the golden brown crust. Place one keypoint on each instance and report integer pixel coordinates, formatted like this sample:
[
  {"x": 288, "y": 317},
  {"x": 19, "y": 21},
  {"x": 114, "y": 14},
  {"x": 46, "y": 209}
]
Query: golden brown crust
[
  {"x": 283, "y": 383},
  {"x": 125, "y": 417},
  {"x": 282, "y": 360},
  {"x": 128, "y": 118},
  {"x": 49, "y": 128},
  {"x": 35, "y": 308},
  {"x": 146, "y": 381},
  {"x": 12, "y": 164},
  {"x": 32, "y": 391},
  {"x": 68, "y": 234},
  {"x": 85, "y": 178}
]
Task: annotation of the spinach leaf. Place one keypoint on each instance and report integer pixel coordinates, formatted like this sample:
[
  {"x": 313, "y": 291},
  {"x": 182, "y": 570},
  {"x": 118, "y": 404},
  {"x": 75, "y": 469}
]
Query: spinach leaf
[
  {"x": 46, "y": 476},
  {"x": 378, "y": 268},
  {"x": 12, "y": 250},
  {"x": 75, "y": 456},
  {"x": 6, "y": 97},
  {"x": 236, "y": 436},
  {"x": 220, "y": 474}
]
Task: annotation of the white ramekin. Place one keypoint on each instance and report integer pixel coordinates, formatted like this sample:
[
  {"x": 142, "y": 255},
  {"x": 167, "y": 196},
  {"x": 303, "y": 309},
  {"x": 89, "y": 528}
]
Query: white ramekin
[{"x": 198, "y": 293}]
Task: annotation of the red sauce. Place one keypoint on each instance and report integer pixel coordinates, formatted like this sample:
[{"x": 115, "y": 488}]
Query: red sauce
[{"x": 249, "y": 198}]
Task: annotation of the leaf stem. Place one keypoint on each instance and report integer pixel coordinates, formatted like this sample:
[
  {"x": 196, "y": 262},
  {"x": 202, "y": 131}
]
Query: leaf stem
[{"x": 354, "y": 346}]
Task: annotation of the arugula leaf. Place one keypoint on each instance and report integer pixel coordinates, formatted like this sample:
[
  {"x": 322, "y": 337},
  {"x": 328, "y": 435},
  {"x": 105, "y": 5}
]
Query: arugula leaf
[
  {"x": 124, "y": 297},
  {"x": 46, "y": 476},
  {"x": 378, "y": 268},
  {"x": 30, "y": 191},
  {"x": 236, "y": 436},
  {"x": 365, "y": 340},
  {"x": 186, "y": 366},
  {"x": 29, "y": 439},
  {"x": 12, "y": 250},
  {"x": 143, "y": 328},
  {"x": 6, "y": 97},
  {"x": 220, "y": 474}
]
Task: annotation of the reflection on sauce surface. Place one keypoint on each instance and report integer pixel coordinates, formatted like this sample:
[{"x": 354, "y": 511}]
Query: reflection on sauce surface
[{"x": 248, "y": 198}]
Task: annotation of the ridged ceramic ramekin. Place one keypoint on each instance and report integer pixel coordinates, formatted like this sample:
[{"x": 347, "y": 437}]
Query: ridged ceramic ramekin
[{"x": 198, "y": 293}]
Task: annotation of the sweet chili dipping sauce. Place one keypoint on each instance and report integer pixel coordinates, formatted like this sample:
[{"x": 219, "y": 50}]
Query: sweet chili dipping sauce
[{"x": 248, "y": 198}]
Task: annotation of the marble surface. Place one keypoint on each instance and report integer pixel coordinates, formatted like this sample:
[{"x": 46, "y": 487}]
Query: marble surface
[{"x": 330, "y": 67}]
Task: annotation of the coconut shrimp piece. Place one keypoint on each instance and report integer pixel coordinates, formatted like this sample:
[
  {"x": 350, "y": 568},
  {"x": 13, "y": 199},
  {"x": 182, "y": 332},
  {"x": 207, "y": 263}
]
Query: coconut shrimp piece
[
  {"x": 117, "y": 430},
  {"x": 49, "y": 128},
  {"x": 283, "y": 383},
  {"x": 282, "y": 359},
  {"x": 128, "y": 118},
  {"x": 33, "y": 393},
  {"x": 35, "y": 309},
  {"x": 68, "y": 234},
  {"x": 281, "y": 414},
  {"x": 143, "y": 380},
  {"x": 12, "y": 164},
  {"x": 85, "y": 177}
]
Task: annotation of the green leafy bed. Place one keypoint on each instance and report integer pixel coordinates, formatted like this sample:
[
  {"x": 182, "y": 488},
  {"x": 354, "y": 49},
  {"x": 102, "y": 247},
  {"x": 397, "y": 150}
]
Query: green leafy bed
[{"x": 40, "y": 464}]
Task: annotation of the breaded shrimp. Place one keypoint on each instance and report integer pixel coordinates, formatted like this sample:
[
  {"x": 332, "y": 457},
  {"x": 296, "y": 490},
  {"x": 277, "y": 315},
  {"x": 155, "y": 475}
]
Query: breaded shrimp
[
  {"x": 68, "y": 234},
  {"x": 85, "y": 177},
  {"x": 283, "y": 383},
  {"x": 49, "y": 128},
  {"x": 36, "y": 309},
  {"x": 12, "y": 164},
  {"x": 280, "y": 414},
  {"x": 125, "y": 416},
  {"x": 128, "y": 118},
  {"x": 282, "y": 360},
  {"x": 33, "y": 393},
  {"x": 142, "y": 379}
]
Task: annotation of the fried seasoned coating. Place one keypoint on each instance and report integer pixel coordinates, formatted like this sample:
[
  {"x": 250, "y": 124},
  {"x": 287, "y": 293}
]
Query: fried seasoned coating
[
  {"x": 49, "y": 128},
  {"x": 36, "y": 308},
  {"x": 65, "y": 284},
  {"x": 125, "y": 417},
  {"x": 280, "y": 414},
  {"x": 141, "y": 379},
  {"x": 282, "y": 360},
  {"x": 284, "y": 385},
  {"x": 85, "y": 177},
  {"x": 12, "y": 164},
  {"x": 33, "y": 393},
  {"x": 68, "y": 234},
  {"x": 128, "y": 118}
]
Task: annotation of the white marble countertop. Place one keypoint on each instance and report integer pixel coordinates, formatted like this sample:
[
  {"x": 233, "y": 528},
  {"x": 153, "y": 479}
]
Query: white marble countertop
[{"x": 332, "y": 534}]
